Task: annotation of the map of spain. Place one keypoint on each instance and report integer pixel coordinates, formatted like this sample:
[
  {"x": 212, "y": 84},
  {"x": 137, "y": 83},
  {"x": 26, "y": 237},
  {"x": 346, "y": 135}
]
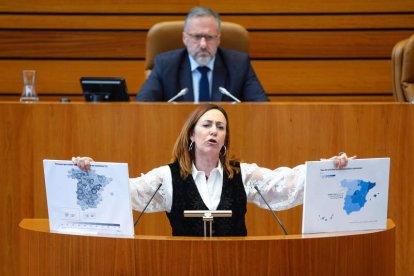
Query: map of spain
[
  {"x": 356, "y": 194},
  {"x": 89, "y": 187}
]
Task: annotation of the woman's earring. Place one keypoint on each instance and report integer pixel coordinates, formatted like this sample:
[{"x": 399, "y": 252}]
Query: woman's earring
[{"x": 190, "y": 148}]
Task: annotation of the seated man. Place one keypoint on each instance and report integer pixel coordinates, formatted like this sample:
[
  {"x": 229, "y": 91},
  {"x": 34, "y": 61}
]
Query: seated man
[{"x": 202, "y": 67}]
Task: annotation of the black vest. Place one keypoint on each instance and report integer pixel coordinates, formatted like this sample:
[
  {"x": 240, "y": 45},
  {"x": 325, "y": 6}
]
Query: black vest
[{"x": 186, "y": 197}]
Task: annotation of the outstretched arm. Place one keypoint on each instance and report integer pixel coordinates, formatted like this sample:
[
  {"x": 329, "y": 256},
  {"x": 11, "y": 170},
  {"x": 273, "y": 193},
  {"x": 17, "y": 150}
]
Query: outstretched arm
[{"x": 282, "y": 187}]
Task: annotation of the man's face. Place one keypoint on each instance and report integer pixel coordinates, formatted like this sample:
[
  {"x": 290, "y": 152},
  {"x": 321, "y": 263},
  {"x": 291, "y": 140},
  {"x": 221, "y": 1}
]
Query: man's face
[{"x": 202, "y": 38}]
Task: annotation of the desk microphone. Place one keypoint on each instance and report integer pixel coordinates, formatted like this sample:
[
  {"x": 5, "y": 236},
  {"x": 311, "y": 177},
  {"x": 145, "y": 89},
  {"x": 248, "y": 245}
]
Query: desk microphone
[
  {"x": 179, "y": 94},
  {"x": 228, "y": 94},
  {"x": 149, "y": 201},
  {"x": 274, "y": 215}
]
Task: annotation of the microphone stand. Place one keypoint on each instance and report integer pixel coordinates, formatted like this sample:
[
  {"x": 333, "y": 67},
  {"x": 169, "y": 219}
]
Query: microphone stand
[
  {"x": 274, "y": 215},
  {"x": 149, "y": 201},
  {"x": 228, "y": 94},
  {"x": 179, "y": 94}
]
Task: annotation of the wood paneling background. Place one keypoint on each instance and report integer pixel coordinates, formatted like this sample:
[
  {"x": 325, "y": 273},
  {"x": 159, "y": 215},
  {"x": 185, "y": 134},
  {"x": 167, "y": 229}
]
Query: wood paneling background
[{"x": 302, "y": 50}]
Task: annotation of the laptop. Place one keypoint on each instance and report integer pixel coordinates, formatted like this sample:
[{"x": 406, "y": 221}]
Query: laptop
[
  {"x": 349, "y": 199},
  {"x": 93, "y": 203}
]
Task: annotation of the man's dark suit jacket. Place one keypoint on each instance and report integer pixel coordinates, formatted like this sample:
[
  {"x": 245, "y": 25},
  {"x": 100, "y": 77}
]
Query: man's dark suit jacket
[{"x": 172, "y": 73}]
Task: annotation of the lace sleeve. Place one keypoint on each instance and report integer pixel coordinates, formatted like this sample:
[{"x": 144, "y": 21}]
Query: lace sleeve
[
  {"x": 142, "y": 188},
  {"x": 282, "y": 188}
]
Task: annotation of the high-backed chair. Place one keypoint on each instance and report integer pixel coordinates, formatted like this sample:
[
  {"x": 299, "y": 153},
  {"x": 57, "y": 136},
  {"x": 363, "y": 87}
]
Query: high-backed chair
[
  {"x": 403, "y": 70},
  {"x": 167, "y": 36}
]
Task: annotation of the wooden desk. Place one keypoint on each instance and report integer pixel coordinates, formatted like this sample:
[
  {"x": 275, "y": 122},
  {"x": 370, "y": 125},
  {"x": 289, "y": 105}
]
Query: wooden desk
[
  {"x": 270, "y": 134},
  {"x": 359, "y": 253}
]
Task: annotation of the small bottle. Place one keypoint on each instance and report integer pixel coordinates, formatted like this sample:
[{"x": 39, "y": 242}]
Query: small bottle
[{"x": 29, "y": 87}]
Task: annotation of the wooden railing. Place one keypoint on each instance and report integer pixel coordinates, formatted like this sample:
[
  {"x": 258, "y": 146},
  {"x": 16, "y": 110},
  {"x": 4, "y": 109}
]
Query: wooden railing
[{"x": 350, "y": 253}]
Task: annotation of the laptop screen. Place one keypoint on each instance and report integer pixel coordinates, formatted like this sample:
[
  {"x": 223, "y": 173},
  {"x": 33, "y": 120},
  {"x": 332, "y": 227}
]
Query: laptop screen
[{"x": 104, "y": 89}]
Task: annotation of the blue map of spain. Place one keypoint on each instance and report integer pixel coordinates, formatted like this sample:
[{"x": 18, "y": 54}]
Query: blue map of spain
[
  {"x": 356, "y": 194},
  {"x": 89, "y": 187}
]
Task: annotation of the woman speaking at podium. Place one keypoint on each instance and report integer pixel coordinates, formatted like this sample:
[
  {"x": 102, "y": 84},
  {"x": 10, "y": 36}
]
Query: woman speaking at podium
[{"x": 202, "y": 176}]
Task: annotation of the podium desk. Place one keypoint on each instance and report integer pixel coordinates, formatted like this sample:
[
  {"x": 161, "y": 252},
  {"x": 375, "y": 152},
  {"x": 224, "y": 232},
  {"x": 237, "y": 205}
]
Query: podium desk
[{"x": 350, "y": 253}]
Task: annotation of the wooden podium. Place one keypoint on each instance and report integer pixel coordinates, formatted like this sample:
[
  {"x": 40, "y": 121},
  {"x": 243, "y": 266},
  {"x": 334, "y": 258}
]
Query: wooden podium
[{"x": 351, "y": 253}]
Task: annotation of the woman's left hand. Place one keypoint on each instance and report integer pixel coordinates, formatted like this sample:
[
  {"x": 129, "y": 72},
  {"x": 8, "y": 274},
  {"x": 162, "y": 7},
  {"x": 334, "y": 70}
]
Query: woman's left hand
[{"x": 341, "y": 160}]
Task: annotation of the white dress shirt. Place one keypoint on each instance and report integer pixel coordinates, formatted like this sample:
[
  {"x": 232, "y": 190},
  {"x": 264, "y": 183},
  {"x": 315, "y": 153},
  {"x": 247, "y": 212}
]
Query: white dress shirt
[{"x": 282, "y": 187}]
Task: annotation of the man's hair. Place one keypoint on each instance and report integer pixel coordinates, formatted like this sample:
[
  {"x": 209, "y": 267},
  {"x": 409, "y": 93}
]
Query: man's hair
[
  {"x": 185, "y": 156},
  {"x": 200, "y": 12}
]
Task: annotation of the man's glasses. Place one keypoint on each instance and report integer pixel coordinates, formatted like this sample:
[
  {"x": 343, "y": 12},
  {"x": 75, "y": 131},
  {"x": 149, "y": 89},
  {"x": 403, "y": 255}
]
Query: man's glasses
[{"x": 198, "y": 37}]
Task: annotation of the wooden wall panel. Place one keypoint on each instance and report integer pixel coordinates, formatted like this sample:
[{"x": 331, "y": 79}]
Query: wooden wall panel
[
  {"x": 323, "y": 98},
  {"x": 272, "y": 97},
  {"x": 325, "y": 77},
  {"x": 298, "y": 49},
  {"x": 62, "y": 77},
  {"x": 103, "y": 6},
  {"x": 324, "y": 44},
  {"x": 301, "y": 78},
  {"x": 82, "y": 22},
  {"x": 232, "y": 6},
  {"x": 305, "y": 6},
  {"x": 72, "y": 44},
  {"x": 323, "y": 21},
  {"x": 131, "y": 45},
  {"x": 251, "y": 22},
  {"x": 143, "y": 22}
]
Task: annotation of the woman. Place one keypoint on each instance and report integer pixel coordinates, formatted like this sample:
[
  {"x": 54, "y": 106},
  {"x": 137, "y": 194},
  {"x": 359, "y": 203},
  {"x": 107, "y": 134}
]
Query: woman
[{"x": 203, "y": 177}]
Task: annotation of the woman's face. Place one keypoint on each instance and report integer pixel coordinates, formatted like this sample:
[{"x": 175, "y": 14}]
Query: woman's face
[{"x": 209, "y": 133}]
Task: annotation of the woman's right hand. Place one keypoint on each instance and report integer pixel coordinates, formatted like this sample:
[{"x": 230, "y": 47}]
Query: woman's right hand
[{"x": 84, "y": 163}]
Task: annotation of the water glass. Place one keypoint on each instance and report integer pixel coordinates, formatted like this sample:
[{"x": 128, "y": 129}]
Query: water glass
[{"x": 29, "y": 87}]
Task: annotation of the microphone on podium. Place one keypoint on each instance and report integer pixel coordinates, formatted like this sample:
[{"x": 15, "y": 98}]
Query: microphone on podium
[
  {"x": 149, "y": 201},
  {"x": 228, "y": 94},
  {"x": 268, "y": 206},
  {"x": 179, "y": 94}
]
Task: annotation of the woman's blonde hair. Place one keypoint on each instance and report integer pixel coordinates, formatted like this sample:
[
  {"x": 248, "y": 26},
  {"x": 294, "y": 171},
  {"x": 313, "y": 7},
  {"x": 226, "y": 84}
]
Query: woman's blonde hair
[{"x": 185, "y": 156}]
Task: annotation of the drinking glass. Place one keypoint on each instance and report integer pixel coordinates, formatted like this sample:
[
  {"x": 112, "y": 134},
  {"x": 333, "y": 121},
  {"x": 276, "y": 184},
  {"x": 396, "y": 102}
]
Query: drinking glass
[{"x": 29, "y": 87}]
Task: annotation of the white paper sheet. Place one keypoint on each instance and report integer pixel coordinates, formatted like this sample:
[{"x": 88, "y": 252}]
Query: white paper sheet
[
  {"x": 96, "y": 202},
  {"x": 348, "y": 199}
]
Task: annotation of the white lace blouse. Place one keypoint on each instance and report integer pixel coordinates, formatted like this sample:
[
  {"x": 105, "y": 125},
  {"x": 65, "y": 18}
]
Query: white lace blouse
[{"x": 282, "y": 187}]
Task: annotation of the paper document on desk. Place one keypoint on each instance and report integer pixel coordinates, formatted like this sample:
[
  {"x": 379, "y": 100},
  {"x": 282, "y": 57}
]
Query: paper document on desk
[
  {"x": 94, "y": 202},
  {"x": 348, "y": 199}
]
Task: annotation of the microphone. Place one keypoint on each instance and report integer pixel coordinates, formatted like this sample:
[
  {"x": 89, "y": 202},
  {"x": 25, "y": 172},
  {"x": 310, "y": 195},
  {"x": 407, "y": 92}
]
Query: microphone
[
  {"x": 179, "y": 94},
  {"x": 227, "y": 93},
  {"x": 274, "y": 215},
  {"x": 143, "y": 211}
]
